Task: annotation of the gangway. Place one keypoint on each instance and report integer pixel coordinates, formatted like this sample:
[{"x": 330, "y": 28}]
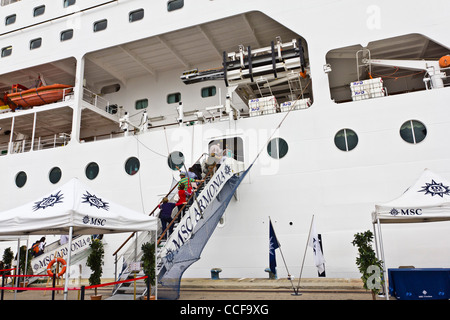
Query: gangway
[
  {"x": 80, "y": 250},
  {"x": 175, "y": 254}
]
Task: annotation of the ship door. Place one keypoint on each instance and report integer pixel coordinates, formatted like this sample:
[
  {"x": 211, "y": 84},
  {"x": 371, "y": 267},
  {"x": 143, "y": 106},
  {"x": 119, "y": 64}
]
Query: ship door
[{"x": 231, "y": 147}]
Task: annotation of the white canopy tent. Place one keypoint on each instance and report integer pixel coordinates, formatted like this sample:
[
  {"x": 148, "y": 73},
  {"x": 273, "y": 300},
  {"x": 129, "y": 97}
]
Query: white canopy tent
[
  {"x": 73, "y": 209},
  {"x": 427, "y": 200}
]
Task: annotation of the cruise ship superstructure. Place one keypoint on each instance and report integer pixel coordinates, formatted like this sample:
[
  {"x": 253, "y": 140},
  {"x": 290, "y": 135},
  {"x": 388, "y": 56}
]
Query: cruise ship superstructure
[{"x": 342, "y": 104}]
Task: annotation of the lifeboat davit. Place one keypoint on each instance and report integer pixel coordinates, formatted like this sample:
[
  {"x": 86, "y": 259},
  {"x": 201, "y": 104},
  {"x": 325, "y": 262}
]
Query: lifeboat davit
[{"x": 26, "y": 98}]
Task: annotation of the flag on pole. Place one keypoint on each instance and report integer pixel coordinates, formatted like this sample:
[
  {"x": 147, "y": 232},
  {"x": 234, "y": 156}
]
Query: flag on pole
[
  {"x": 273, "y": 244},
  {"x": 319, "y": 260}
]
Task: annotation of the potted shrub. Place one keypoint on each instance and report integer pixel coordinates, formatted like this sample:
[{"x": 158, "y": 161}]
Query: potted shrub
[
  {"x": 148, "y": 263},
  {"x": 370, "y": 267},
  {"x": 95, "y": 262},
  {"x": 7, "y": 259}
]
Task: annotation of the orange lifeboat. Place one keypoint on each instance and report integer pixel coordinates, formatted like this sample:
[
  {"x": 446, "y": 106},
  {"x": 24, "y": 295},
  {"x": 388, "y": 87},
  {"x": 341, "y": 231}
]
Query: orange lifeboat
[{"x": 24, "y": 97}]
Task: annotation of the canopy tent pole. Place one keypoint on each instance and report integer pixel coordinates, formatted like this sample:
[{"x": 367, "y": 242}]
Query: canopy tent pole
[
  {"x": 17, "y": 268},
  {"x": 69, "y": 253},
  {"x": 26, "y": 263},
  {"x": 383, "y": 259},
  {"x": 156, "y": 265}
]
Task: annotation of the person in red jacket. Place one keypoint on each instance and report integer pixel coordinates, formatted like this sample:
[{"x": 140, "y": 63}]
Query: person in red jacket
[{"x": 181, "y": 200}]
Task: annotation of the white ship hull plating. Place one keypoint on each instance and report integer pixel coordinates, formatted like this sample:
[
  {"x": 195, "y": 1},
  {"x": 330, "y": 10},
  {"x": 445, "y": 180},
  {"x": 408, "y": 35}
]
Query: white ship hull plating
[{"x": 339, "y": 188}]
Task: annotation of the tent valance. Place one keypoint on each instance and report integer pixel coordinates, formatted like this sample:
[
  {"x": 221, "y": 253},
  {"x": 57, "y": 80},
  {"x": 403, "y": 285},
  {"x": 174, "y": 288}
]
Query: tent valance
[
  {"x": 427, "y": 200},
  {"x": 73, "y": 205}
]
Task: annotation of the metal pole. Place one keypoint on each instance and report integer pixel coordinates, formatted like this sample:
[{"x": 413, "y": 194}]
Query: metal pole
[
  {"x": 53, "y": 285},
  {"x": 26, "y": 264},
  {"x": 383, "y": 259},
  {"x": 156, "y": 263},
  {"x": 17, "y": 265},
  {"x": 69, "y": 253},
  {"x": 304, "y": 254}
]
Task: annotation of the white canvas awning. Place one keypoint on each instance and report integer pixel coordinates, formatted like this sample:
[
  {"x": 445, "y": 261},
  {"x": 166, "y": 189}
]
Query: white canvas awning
[
  {"x": 73, "y": 205},
  {"x": 427, "y": 200},
  {"x": 73, "y": 209}
]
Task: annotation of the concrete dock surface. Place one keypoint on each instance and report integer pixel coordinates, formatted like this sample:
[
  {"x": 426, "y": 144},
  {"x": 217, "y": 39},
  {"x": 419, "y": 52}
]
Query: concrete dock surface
[{"x": 232, "y": 289}]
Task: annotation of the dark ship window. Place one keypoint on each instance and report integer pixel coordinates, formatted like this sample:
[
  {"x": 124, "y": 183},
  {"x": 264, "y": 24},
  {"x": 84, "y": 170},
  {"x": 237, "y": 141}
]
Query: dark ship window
[
  {"x": 35, "y": 43},
  {"x": 38, "y": 11},
  {"x": 413, "y": 131},
  {"x": 68, "y": 3},
  {"x": 208, "y": 92},
  {"x": 175, "y": 5},
  {"x": 6, "y": 51},
  {"x": 176, "y": 160},
  {"x": 55, "y": 175},
  {"x": 92, "y": 170},
  {"x": 136, "y": 15},
  {"x": 346, "y": 139},
  {"x": 141, "y": 104},
  {"x": 100, "y": 25},
  {"x": 174, "y": 97},
  {"x": 21, "y": 179},
  {"x": 66, "y": 35},
  {"x": 277, "y": 148},
  {"x": 132, "y": 166},
  {"x": 10, "y": 19}
]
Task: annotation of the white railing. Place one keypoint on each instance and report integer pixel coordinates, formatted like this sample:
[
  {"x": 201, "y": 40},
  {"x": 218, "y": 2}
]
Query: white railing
[
  {"x": 40, "y": 143},
  {"x": 6, "y": 2},
  {"x": 95, "y": 100}
]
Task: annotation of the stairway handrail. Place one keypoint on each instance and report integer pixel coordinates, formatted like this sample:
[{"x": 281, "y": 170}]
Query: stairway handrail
[
  {"x": 182, "y": 208},
  {"x": 152, "y": 212}
]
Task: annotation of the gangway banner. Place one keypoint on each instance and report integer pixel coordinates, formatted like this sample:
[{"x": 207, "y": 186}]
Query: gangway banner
[{"x": 40, "y": 263}]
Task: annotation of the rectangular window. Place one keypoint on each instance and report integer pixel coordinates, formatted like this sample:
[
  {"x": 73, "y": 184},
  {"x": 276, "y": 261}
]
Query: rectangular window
[
  {"x": 66, "y": 35},
  {"x": 174, "y": 5},
  {"x": 6, "y": 51},
  {"x": 100, "y": 25},
  {"x": 38, "y": 11},
  {"x": 174, "y": 97},
  {"x": 68, "y": 3},
  {"x": 10, "y": 19},
  {"x": 136, "y": 15},
  {"x": 208, "y": 92},
  {"x": 141, "y": 104},
  {"x": 35, "y": 43}
]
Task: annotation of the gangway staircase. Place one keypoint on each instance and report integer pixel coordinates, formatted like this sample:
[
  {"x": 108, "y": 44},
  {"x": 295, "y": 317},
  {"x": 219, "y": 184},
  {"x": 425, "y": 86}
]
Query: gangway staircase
[
  {"x": 80, "y": 251},
  {"x": 207, "y": 205}
]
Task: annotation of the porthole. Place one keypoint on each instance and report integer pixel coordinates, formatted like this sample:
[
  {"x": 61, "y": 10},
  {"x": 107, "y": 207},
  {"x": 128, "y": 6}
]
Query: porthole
[
  {"x": 346, "y": 139},
  {"x": 136, "y": 15},
  {"x": 277, "y": 148},
  {"x": 175, "y": 159},
  {"x": 92, "y": 170},
  {"x": 413, "y": 131},
  {"x": 21, "y": 179},
  {"x": 55, "y": 175},
  {"x": 132, "y": 166}
]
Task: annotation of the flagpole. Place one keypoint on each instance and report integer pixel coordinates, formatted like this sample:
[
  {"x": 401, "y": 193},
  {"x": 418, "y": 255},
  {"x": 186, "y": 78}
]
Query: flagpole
[
  {"x": 304, "y": 255},
  {"x": 282, "y": 256}
]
